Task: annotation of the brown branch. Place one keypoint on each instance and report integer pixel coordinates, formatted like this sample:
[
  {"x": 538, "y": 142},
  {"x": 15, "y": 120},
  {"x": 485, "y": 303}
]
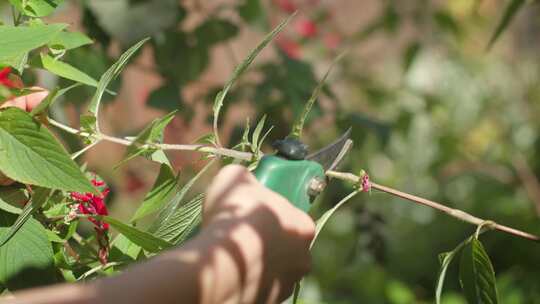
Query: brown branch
[{"x": 456, "y": 213}]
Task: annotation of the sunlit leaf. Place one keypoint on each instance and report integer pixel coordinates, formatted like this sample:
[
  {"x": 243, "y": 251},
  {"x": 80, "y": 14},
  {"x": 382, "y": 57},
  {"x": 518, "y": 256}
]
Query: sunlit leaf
[
  {"x": 299, "y": 123},
  {"x": 66, "y": 70},
  {"x": 36, "y": 8},
  {"x": 27, "y": 259},
  {"x": 30, "y": 154},
  {"x": 163, "y": 189},
  {"x": 240, "y": 69},
  {"x": 22, "y": 39},
  {"x": 111, "y": 74},
  {"x": 146, "y": 240},
  {"x": 476, "y": 274}
]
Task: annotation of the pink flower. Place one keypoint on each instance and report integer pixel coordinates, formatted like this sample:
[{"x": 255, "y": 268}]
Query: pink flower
[
  {"x": 290, "y": 47},
  {"x": 93, "y": 204},
  {"x": 306, "y": 28},
  {"x": 4, "y": 80},
  {"x": 285, "y": 5}
]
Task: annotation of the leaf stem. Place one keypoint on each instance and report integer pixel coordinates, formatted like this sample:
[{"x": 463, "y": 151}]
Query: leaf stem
[
  {"x": 456, "y": 213},
  {"x": 125, "y": 142}
]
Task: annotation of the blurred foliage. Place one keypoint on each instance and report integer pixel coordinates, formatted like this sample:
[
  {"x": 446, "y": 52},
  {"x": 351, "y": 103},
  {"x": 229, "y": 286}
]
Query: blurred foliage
[{"x": 433, "y": 113}]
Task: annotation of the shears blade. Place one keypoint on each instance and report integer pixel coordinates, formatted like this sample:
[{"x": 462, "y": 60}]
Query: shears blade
[{"x": 330, "y": 156}]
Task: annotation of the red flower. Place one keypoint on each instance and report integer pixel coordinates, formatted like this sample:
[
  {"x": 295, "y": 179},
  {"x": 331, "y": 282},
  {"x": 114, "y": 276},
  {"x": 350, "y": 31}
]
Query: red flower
[
  {"x": 286, "y": 5},
  {"x": 306, "y": 28},
  {"x": 290, "y": 47},
  {"x": 92, "y": 204},
  {"x": 4, "y": 80}
]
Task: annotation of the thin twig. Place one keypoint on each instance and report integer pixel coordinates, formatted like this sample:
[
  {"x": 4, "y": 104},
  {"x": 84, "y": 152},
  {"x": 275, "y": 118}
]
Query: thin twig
[
  {"x": 122, "y": 141},
  {"x": 459, "y": 214}
]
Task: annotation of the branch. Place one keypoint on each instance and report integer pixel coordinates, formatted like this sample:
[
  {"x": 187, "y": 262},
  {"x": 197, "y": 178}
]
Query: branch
[
  {"x": 456, "y": 213},
  {"x": 122, "y": 141},
  {"x": 461, "y": 215}
]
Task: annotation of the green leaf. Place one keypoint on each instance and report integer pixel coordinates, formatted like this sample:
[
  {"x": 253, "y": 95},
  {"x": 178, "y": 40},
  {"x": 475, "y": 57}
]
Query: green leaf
[
  {"x": 183, "y": 222},
  {"x": 152, "y": 134},
  {"x": 39, "y": 197},
  {"x": 27, "y": 259},
  {"x": 326, "y": 216},
  {"x": 22, "y": 39},
  {"x": 144, "y": 239},
  {"x": 127, "y": 247},
  {"x": 445, "y": 259},
  {"x": 69, "y": 40},
  {"x": 299, "y": 124},
  {"x": 12, "y": 199},
  {"x": 410, "y": 55},
  {"x": 162, "y": 226},
  {"x": 240, "y": 69},
  {"x": 30, "y": 154},
  {"x": 109, "y": 75},
  {"x": 164, "y": 187},
  {"x": 36, "y": 8},
  {"x": 509, "y": 13},
  {"x": 51, "y": 98},
  {"x": 257, "y": 134},
  {"x": 67, "y": 71},
  {"x": 476, "y": 274}
]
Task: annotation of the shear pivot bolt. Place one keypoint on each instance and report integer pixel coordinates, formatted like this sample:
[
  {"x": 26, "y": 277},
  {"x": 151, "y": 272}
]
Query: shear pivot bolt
[{"x": 316, "y": 186}]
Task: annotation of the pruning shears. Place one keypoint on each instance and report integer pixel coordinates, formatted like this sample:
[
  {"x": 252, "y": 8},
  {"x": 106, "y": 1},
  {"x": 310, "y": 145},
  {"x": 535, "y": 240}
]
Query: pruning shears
[{"x": 297, "y": 176}]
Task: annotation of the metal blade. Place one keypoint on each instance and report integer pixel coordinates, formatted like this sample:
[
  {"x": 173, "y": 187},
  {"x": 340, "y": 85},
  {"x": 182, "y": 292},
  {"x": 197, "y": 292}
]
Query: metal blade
[{"x": 330, "y": 156}]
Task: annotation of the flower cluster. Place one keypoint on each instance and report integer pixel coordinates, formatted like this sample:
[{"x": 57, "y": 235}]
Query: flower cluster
[
  {"x": 4, "y": 78},
  {"x": 308, "y": 29},
  {"x": 93, "y": 204}
]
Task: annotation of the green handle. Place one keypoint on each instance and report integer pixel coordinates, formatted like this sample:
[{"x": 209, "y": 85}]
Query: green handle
[{"x": 290, "y": 178}]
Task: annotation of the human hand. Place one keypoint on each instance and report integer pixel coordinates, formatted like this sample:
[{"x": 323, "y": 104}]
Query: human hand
[
  {"x": 269, "y": 237},
  {"x": 26, "y": 103}
]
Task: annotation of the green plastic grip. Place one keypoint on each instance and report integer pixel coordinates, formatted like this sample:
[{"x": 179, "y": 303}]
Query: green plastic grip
[{"x": 290, "y": 178}]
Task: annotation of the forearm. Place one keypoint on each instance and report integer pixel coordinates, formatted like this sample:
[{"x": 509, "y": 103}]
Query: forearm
[{"x": 210, "y": 269}]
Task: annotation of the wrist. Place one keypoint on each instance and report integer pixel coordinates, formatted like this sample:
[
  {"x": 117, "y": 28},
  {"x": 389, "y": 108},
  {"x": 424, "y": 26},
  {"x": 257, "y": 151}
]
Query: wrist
[{"x": 231, "y": 261}]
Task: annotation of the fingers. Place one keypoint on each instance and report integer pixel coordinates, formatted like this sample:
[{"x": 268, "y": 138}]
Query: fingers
[
  {"x": 226, "y": 183},
  {"x": 28, "y": 102},
  {"x": 34, "y": 99}
]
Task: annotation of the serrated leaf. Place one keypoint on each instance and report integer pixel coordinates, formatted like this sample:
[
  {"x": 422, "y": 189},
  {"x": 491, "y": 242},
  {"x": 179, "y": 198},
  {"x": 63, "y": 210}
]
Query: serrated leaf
[
  {"x": 109, "y": 75},
  {"x": 241, "y": 68},
  {"x": 299, "y": 124},
  {"x": 326, "y": 216},
  {"x": 36, "y": 8},
  {"x": 183, "y": 222},
  {"x": 69, "y": 40},
  {"x": 164, "y": 187},
  {"x": 39, "y": 197},
  {"x": 146, "y": 240},
  {"x": 22, "y": 39},
  {"x": 30, "y": 154},
  {"x": 476, "y": 274},
  {"x": 161, "y": 226},
  {"x": 127, "y": 247},
  {"x": 27, "y": 259},
  {"x": 67, "y": 71},
  {"x": 509, "y": 13}
]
